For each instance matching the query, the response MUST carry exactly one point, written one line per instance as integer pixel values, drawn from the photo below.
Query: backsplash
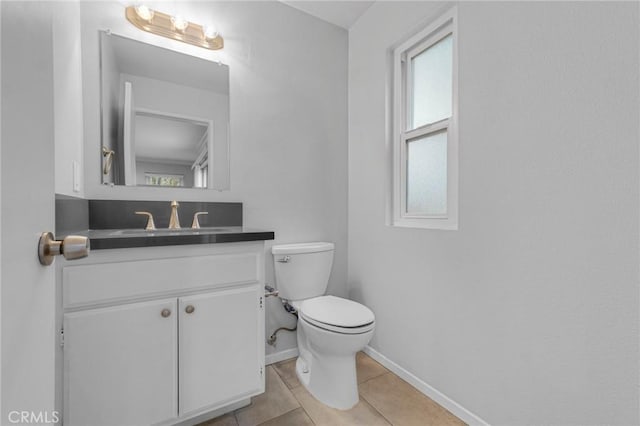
(72, 214)
(120, 214)
(75, 214)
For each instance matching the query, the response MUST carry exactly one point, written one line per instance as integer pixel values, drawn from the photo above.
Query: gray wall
(288, 98)
(67, 90)
(529, 313)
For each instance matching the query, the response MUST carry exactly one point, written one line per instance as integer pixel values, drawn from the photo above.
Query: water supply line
(270, 291)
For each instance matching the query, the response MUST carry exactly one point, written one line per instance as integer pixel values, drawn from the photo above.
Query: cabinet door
(221, 347)
(120, 364)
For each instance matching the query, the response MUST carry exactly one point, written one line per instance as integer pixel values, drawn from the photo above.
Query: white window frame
(439, 29)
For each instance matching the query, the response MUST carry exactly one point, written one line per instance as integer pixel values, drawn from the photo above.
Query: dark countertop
(102, 239)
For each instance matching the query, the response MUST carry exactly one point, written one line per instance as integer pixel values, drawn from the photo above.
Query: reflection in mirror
(170, 151)
(165, 117)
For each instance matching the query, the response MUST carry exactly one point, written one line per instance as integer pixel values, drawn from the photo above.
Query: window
(163, 179)
(425, 143)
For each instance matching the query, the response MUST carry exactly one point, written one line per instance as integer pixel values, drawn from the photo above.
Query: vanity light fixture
(210, 32)
(144, 12)
(179, 23)
(174, 27)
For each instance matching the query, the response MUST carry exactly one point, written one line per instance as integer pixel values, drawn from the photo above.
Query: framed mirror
(164, 117)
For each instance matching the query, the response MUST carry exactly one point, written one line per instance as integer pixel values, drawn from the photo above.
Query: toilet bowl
(326, 364)
(331, 330)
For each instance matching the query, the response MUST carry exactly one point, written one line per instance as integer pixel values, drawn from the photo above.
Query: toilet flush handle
(285, 259)
(270, 291)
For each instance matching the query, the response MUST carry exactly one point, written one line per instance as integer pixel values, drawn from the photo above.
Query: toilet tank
(302, 270)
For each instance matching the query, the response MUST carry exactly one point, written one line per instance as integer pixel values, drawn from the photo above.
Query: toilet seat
(337, 314)
(337, 329)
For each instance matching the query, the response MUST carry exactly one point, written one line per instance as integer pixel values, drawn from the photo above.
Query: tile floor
(385, 399)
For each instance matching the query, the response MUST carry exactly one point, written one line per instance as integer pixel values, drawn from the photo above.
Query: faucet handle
(196, 223)
(151, 226)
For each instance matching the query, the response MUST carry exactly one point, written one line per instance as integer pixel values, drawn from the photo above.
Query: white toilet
(331, 330)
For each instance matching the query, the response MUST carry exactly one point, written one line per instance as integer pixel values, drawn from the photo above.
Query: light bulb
(144, 12)
(179, 23)
(210, 32)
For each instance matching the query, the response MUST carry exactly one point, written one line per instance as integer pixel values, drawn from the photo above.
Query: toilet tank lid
(299, 248)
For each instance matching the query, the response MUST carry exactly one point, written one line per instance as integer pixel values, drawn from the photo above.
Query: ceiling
(341, 13)
(167, 139)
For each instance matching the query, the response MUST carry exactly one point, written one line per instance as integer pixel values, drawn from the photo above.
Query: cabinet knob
(189, 309)
(165, 312)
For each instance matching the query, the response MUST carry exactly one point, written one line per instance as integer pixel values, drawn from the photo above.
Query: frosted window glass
(427, 175)
(432, 84)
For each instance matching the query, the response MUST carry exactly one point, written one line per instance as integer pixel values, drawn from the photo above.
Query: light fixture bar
(162, 24)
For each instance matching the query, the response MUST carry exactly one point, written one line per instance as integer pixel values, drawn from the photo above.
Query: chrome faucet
(174, 221)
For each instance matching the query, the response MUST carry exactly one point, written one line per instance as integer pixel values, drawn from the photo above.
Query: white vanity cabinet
(161, 335)
(121, 364)
(219, 348)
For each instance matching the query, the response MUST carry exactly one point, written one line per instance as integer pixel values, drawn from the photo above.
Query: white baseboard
(280, 356)
(448, 403)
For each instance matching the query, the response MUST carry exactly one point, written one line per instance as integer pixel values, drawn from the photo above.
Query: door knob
(72, 247)
(165, 313)
(189, 309)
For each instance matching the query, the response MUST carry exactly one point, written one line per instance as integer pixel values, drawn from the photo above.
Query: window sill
(426, 223)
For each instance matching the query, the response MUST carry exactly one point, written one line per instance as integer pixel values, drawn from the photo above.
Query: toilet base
(326, 366)
(342, 395)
